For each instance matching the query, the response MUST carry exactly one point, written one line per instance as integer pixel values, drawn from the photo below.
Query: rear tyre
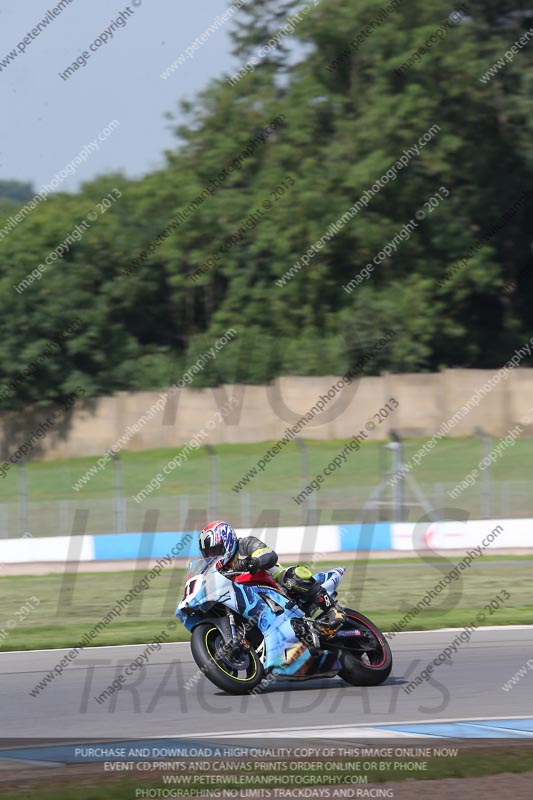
(370, 666)
(236, 672)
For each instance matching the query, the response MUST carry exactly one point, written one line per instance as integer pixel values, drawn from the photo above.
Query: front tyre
(237, 672)
(368, 660)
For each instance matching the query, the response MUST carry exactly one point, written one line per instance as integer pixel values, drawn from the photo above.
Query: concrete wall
(264, 412)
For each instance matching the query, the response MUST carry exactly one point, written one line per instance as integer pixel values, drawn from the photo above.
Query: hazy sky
(46, 120)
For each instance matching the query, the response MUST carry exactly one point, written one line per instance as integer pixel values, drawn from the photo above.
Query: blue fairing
(190, 619)
(285, 655)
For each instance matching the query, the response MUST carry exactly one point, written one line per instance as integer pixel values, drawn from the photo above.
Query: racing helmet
(218, 539)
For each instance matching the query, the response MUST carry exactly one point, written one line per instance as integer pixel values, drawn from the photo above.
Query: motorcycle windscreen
(330, 579)
(200, 566)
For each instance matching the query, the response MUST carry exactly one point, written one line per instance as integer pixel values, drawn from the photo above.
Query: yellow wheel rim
(235, 678)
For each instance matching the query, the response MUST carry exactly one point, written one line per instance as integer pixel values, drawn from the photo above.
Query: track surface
(155, 701)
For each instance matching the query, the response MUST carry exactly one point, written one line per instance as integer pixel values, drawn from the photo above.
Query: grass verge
(72, 604)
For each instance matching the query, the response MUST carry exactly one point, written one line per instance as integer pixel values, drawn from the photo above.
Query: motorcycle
(245, 628)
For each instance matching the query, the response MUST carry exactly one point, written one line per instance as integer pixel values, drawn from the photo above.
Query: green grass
(436, 559)
(71, 604)
(448, 462)
(472, 761)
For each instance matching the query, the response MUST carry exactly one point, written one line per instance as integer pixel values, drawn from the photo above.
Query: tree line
(166, 263)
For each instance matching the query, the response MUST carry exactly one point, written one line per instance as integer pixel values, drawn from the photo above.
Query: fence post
(213, 480)
(23, 498)
(118, 494)
(63, 517)
(396, 446)
(486, 491)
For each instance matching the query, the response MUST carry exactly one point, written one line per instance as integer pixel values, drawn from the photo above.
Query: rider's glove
(253, 565)
(247, 565)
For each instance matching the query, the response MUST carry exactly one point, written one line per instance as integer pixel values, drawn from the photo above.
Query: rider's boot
(326, 613)
(317, 603)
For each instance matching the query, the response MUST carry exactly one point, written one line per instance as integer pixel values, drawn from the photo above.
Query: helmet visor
(210, 551)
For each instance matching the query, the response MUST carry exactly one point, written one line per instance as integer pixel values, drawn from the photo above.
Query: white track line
(332, 728)
(88, 649)
(361, 728)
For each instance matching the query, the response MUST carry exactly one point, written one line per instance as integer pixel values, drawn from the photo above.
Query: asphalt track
(156, 702)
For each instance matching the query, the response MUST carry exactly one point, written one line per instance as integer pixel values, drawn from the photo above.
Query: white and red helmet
(218, 540)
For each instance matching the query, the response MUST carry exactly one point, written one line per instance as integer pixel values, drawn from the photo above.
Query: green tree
(457, 291)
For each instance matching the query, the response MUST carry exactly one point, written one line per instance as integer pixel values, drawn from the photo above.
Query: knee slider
(300, 580)
(303, 572)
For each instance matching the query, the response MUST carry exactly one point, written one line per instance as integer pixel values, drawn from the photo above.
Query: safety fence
(308, 482)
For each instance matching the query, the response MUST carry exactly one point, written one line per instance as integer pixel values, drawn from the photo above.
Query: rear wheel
(367, 660)
(236, 671)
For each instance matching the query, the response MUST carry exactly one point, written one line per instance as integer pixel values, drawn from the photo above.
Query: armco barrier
(307, 541)
(53, 548)
(365, 537)
(115, 546)
(295, 541)
(489, 533)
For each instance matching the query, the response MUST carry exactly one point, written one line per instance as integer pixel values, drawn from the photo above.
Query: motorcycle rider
(250, 554)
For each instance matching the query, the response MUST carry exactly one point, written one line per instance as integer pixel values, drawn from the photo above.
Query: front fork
(237, 642)
(234, 641)
(232, 626)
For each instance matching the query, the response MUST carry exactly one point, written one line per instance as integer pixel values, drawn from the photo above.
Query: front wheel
(367, 660)
(234, 671)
